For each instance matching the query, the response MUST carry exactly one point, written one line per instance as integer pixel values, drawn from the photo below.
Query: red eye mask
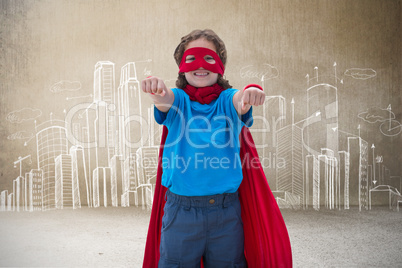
(199, 54)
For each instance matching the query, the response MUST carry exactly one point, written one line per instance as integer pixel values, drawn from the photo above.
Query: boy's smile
(201, 78)
(200, 73)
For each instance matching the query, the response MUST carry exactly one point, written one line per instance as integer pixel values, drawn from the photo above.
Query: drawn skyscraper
(290, 149)
(321, 140)
(10, 202)
(321, 132)
(131, 129)
(328, 179)
(102, 187)
(80, 179)
(26, 192)
(147, 164)
(101, 126)
(358, 181)
(105, 122)
(344, 179)
(18, 191)
(264, 133)
(51, 142)
(3, 200)
(104, 81)
(91, 147)
(64, 181)
(35, 193)
(117, 169)
(130, 180)
(130, 112)
(100, 130)
(312, 182)
(80, 125)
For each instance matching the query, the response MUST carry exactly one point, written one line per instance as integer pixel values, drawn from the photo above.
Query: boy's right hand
(162, 96)
(154, 86)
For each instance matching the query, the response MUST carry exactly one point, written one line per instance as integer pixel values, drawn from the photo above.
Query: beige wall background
(44, 42)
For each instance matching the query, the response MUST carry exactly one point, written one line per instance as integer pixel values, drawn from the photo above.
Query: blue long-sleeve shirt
(202, 150)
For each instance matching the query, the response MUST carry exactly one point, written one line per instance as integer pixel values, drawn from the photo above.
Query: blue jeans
(207, 227)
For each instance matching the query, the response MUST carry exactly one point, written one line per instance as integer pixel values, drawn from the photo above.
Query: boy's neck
(213, 85)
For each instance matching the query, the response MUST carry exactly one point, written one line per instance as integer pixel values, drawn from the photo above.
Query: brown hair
(209, 35)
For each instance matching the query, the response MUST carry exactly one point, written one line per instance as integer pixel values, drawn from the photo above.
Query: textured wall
(49, 50)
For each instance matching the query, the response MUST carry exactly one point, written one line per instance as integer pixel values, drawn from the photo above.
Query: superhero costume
(267, 241)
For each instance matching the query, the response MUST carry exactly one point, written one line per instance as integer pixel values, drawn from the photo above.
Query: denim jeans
(202, 227)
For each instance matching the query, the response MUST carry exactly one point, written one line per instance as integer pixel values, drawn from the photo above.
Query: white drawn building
(80, 181)
(102, 189)
(35, 192)
(358, 166)
(290, 177)
(64, 182)
(267, 122)
(3, 200)
(51, 142)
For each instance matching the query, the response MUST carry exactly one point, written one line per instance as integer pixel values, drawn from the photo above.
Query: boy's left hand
(252, 96)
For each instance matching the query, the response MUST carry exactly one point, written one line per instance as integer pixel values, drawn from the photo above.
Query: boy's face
(201, 77)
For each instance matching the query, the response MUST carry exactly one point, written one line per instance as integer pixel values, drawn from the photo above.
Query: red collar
(204, 95)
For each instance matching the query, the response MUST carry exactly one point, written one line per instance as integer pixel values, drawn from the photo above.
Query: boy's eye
(190, 58)
(209, 59)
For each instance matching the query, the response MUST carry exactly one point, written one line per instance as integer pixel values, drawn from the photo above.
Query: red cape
(266, 242)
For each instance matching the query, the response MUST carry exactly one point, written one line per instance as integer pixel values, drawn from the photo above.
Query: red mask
(199, 54)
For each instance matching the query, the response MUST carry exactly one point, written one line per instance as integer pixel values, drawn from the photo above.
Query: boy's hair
(209, 35)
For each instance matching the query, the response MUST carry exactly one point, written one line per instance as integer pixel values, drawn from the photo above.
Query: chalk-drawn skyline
(105, 152)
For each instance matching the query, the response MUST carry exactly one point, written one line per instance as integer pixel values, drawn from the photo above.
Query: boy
(201, 163)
